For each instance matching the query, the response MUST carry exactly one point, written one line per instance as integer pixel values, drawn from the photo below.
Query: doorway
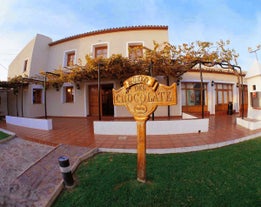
(106, 100)
(224, 95)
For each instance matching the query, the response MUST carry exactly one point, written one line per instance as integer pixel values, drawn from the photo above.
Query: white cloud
(19, 26)
(188, 21)
(5, 8)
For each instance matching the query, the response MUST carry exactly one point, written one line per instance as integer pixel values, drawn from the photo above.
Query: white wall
(31, 109)
(17, 65)
(40, 55)
(253, 113)
(57, 107)
(43, 124)
(116, 44)
(152, 127)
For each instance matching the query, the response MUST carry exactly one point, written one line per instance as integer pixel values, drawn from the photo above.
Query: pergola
(14, 86)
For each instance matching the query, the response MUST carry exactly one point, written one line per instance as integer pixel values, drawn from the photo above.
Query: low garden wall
(153, 127)
(251, 124)
(44, 124)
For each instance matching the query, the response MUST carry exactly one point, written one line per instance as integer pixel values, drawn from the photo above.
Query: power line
(2, 53)
(3, 67)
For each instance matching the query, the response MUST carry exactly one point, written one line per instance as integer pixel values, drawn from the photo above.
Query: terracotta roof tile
(115, 29)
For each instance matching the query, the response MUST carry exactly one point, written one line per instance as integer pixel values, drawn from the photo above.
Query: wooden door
(93, 100)
(106, 102)
(224, 95)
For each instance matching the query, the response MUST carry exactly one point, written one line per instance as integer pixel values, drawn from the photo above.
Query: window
(255, 99)
(69, 59)
(69, 94)
(25, 65)
(135, 51)
(101, 51)
(224, 93)
(37, 95)
(191, 94)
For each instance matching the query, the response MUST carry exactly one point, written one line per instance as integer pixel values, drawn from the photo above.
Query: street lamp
(99, 90)
(250, 50)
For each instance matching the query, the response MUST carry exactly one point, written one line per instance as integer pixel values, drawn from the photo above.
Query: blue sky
(189, 20)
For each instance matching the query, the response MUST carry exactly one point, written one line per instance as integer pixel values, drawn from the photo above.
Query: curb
(12, 135)
(185, 149)
(60, 186)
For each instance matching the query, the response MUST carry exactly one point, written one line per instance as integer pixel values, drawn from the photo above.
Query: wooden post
(202, 91)
(99, 92)
(141, 149)
(45, 107)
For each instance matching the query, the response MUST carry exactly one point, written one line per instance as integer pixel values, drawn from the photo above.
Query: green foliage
(229, 176)
(3, 135)
(164, 58)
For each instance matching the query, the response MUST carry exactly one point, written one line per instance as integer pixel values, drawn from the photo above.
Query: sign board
(141, 95)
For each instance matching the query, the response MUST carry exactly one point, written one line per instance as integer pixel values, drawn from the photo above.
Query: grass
(228, 176)
(3, 135)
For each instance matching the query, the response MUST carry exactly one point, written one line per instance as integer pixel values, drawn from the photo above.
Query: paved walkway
(29, 173)
(29, 169)
(15, 159)
(79, 132)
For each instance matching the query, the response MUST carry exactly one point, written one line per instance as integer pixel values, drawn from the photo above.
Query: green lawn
(229, 176)
(3, 135)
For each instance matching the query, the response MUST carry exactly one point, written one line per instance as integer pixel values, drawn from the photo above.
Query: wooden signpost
(142, 95)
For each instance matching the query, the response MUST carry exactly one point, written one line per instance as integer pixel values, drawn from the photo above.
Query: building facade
(254, 96)
(42, 54)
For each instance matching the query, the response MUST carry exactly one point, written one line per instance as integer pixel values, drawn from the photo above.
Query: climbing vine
(163, 59)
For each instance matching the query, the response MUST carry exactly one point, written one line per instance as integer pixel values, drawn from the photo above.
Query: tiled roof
(116, 29)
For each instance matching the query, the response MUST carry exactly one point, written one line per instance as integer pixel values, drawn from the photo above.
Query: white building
(80, 99)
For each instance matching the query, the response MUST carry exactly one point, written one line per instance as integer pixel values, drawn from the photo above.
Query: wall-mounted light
(237, 85)
(212, 83)
(254, 87)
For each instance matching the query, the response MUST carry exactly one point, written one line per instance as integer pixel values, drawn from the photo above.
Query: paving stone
(34, 179)
(17, 155)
